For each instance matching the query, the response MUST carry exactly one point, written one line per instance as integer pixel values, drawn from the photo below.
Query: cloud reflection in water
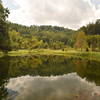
(66, 87)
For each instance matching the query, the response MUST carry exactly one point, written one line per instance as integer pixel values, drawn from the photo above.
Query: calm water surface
(49, 78)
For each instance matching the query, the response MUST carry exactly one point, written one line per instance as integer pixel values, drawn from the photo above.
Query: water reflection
(40, 65)
(88, 69)
(3, 77)
(55, 66)
(66, 87)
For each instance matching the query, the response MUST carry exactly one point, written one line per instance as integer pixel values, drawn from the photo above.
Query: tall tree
(97, 27)
(81, 40)
(4, 37)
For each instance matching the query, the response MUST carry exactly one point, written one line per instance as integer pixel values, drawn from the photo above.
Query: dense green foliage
(4, 37)
(54, 37)
(92, 28)
(23, 37)
(92, 40)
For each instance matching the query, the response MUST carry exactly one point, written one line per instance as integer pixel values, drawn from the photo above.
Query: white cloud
(67, 13)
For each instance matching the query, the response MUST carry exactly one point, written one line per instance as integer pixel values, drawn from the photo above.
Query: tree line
(89, 36)
(53, 37)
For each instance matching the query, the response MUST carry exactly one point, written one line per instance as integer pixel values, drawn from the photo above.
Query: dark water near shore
(49, 78)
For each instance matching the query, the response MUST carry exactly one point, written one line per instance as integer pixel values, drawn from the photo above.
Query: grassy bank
(73, 53)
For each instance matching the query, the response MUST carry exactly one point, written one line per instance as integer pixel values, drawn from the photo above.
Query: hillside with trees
(53, 37)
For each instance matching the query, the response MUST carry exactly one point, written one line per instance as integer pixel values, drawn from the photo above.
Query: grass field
(71, 53)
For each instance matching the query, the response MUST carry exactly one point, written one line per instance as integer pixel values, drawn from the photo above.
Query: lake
(49, 78)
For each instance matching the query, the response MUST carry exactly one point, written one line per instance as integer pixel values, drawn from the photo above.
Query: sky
(67, 13)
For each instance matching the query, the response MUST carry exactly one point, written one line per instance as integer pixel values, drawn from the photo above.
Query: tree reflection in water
(3, 77)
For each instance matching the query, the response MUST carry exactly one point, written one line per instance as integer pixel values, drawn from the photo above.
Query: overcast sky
(67, 13)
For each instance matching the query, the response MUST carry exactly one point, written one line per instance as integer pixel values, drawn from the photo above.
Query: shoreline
(70, 53)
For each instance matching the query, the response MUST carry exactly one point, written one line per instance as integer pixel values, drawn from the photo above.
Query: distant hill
(26, 29)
